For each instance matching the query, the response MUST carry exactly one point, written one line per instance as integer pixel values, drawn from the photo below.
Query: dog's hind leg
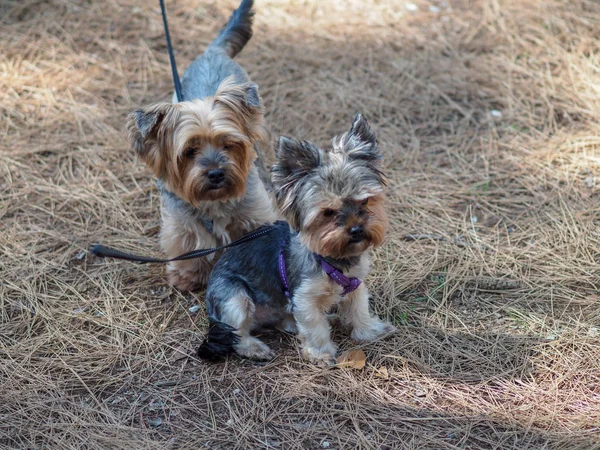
(238, 312)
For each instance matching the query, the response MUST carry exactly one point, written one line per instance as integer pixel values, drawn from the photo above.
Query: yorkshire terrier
(291, 277)
(202, 150)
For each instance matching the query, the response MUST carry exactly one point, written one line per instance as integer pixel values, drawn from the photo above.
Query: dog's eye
(227, 146)
(189, 152)
(329, 212)
(364, 202)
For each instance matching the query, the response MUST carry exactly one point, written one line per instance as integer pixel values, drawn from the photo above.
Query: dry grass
(499, 322)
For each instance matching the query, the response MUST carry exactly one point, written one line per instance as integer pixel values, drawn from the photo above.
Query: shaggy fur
(334, 205)
(202, 152)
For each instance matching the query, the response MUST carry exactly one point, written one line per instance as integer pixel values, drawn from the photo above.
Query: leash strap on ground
(108, 252)
(176, 80)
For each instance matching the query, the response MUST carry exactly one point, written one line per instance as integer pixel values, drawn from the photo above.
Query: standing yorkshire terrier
(202, 151)
(333, 201)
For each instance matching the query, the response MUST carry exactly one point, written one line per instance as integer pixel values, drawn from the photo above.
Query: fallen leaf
(352, 359)
(382, 372)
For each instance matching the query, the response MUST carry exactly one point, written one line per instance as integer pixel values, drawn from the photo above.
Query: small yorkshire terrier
(291, 278)
(202, 151)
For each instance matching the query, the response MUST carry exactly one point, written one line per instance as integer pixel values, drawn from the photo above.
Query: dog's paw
(324, 355)
(186, 281)
(288, 324)
(335, 321)
(377, 329)
(254, 348)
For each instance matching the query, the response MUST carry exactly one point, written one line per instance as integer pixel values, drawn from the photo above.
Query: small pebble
(495, 113)
(325, 444)
(155, 422)
(412, 7)
(194, 309)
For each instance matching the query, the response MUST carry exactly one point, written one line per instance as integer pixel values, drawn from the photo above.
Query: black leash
(176, 79)
(108, 252)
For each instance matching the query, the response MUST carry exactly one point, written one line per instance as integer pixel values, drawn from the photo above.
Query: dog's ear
(295, 159)
(150, 133)
(243, 105)
(252, 96)
(360, 142)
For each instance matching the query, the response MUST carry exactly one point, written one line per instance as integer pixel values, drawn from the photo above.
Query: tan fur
(324, 236)
(239, 313)
(178, 236)
(313, 300)
(354, 313)
(173, 140)
(200, 124)
(181, 233)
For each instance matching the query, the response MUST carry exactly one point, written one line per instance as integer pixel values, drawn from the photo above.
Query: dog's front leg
(314, 331)
(179, 236)
(354, 312)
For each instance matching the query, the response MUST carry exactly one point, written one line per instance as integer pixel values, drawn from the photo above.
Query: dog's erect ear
(144, 131)
(360, 142)
(295, 158)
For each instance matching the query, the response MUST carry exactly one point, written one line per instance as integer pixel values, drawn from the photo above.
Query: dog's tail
(238, 30)
(219, 341)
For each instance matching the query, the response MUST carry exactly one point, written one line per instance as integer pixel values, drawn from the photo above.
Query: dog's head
(201, 149)
(333, 198)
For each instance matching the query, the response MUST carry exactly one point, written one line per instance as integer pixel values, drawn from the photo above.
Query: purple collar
(349, 284)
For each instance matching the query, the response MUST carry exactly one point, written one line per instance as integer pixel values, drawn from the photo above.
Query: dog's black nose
(356, 232)
(216, 176)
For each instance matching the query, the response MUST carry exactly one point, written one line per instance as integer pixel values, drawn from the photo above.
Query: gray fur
(252, 268)
(205, 74)
(303, 170)
(238, 30)
(360, 142)
(145, 122)
(245, 290)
